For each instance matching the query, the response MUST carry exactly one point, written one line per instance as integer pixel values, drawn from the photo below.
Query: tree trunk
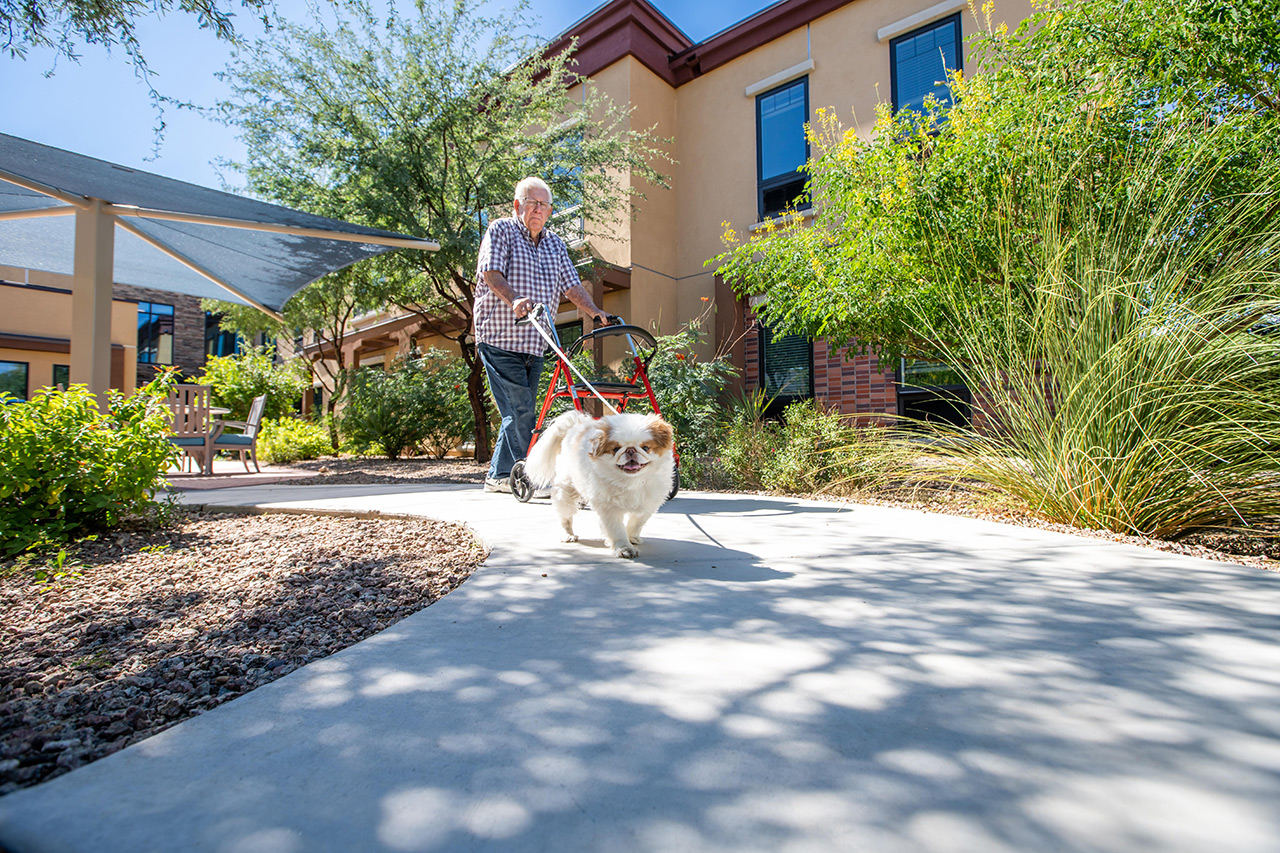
(479, 405)
(331, 407)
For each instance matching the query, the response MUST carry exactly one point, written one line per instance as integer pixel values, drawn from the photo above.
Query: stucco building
(150, 330)
(735, 106)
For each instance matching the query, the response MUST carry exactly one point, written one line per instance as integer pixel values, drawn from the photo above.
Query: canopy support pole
(91, 299)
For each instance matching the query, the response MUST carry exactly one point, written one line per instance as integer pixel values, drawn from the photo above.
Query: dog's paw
(572, 537)
(636, 540)
(628, 551)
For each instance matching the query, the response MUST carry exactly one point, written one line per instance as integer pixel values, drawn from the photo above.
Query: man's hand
(522, 306)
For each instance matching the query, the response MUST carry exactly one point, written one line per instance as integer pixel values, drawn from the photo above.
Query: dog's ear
(599, 441)
(664, 435)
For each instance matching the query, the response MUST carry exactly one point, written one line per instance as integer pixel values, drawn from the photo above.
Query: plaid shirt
(542, 272)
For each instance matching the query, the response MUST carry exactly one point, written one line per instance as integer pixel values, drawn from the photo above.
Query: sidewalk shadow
(740, 504)
(662, 558)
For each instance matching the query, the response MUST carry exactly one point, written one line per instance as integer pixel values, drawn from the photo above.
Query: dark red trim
(741, 38)
(623, 28)
(635, 28)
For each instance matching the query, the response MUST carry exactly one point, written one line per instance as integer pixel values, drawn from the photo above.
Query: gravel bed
(156, 627)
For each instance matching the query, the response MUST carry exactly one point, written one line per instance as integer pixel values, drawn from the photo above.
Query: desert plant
(446, 407)
(688, 388)
(420, 402)
(68, 468)
(288, 439)
(1136, 388)
(237, 379)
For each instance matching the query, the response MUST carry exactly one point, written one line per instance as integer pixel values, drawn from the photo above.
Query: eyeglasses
(536, 204)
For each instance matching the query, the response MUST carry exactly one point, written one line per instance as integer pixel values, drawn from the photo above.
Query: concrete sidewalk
(770, 675)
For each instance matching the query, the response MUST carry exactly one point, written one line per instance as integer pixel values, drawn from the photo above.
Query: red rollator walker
(614, 395)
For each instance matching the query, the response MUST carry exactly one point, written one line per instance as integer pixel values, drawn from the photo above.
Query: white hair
(532, 183)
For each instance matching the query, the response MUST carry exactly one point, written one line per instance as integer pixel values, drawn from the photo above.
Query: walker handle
(539, 308)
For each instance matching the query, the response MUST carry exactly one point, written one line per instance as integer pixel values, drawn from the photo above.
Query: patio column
(91, 299)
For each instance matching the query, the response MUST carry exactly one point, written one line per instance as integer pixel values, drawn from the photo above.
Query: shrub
(806, 460)
(1137, 390)
(68, 469)
(289, 439)
(810, 450)
(688, 389)
(449, 419)
(237, 379)
(420, 402)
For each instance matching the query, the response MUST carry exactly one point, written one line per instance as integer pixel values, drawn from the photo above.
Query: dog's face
(630, 442)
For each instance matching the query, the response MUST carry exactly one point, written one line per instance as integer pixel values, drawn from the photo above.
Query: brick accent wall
(859, 386)
(188, 329)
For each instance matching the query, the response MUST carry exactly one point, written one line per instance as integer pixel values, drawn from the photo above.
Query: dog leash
(539, 312)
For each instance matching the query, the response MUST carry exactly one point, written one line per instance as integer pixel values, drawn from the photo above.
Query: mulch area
(151, 627)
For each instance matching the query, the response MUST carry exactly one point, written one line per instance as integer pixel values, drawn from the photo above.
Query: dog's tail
(541, 464)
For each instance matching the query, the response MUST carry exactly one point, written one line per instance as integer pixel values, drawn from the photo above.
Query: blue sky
(98, 107)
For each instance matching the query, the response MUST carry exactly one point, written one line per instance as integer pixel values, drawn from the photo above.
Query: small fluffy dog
(622, 465)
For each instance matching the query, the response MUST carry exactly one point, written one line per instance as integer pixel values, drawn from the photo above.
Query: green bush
(1138, 390)
(449, 419)
(688, 389)
(808, 451)
(805, 460)
(68, 469)
(420, 403)
(237, 379)
(289, 439)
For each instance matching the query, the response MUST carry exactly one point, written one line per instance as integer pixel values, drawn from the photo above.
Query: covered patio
(103, 223)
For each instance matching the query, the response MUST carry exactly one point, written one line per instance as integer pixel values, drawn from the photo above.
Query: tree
(325, 308)
(936, 204)
(424, 124)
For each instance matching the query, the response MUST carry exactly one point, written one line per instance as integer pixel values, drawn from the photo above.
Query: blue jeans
(513, 379)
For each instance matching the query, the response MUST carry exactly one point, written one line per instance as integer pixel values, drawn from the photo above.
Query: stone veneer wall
(188, 329)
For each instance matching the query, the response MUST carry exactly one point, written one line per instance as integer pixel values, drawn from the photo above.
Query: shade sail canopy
(170, 235)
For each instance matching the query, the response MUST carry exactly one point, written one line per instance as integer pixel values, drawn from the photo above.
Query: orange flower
(680, 356)
(706, 299)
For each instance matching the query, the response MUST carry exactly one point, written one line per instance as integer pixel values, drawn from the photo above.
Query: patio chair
(244, 442)
(194, 429)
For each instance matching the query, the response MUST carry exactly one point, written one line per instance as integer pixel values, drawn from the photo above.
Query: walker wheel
(521, 485)
(675, 482)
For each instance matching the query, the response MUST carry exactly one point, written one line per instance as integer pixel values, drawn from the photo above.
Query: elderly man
(521, 264)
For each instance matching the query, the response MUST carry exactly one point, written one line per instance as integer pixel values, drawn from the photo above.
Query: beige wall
(713, 122)
(47, 314)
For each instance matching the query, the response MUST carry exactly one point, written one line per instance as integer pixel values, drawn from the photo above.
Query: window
(781, 147)
(62, 376)
(933, 392)
(923, 375)
(13, 378)
(216, 340)
(786, 369)
(569, 332)
(919, 62)
(155, 333)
